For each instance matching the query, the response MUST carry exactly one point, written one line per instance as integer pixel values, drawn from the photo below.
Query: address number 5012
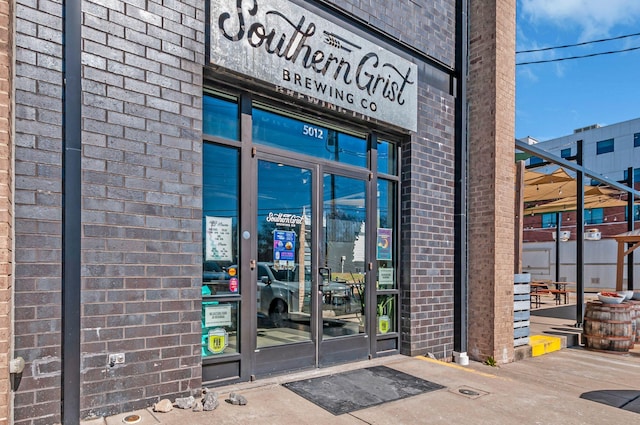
(311, 131)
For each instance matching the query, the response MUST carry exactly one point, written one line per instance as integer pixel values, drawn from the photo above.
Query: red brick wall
(614, 224)
(6, 207)
(491, 99)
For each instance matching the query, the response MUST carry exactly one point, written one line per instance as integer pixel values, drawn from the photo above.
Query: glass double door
(311, 265)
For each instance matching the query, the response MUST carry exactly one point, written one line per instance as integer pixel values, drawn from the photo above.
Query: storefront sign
(218, 239)
(284, 245)
(311, 58)
(233, 284)
(285, 219)
(385, 277)
(218, 340)
(384, 244)
(218, 315)
(384, 324)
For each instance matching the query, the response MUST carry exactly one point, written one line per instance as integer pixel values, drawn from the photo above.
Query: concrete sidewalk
(538, 390)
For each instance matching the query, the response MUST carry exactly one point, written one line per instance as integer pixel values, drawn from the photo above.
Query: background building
(610, 151)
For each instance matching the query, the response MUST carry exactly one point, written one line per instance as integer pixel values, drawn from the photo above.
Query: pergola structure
(579, 206)
(632, 240)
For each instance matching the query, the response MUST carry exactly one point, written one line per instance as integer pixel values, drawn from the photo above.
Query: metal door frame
(270, 360)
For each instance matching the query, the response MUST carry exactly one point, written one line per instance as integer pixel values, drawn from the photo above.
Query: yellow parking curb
(544, 344)
(457, 366)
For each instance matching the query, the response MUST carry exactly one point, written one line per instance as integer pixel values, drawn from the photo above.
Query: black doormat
(350, 391)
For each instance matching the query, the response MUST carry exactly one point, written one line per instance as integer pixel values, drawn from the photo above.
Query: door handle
(325, 276)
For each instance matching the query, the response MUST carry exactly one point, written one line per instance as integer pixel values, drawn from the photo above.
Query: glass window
(219, 327)
(636, 140)
(387, 158)
(308, 138)
(344, 238)
(220, 279)
(284, 254)
(565, 153)
(549, 220)
(220, 117)
(604, 146)
(636, 213)
(594, 216)
(535, 160)
(386, 239)
(385, 313)
(636, 175)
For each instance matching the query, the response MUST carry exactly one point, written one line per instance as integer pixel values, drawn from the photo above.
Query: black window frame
(535, 160)
(605, 146)
(549, 220)
(636, 175)
(589, 216)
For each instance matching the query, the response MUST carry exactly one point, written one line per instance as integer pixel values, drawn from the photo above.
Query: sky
(555, 98)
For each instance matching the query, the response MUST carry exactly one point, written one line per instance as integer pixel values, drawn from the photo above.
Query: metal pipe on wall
(71, 210)
(579, 237)
(630, 226)
(461, 173)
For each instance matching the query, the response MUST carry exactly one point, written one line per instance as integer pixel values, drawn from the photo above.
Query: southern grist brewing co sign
(306, 56)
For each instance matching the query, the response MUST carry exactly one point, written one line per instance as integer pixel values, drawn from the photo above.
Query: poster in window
(218, 239)
(217, 315)
(284, 245)
(384, 244)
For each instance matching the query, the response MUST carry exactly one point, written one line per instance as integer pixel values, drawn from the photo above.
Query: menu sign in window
(312, 58)
(218, 239)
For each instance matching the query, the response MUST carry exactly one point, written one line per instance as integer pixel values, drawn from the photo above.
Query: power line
(579, 57)
(544, 49)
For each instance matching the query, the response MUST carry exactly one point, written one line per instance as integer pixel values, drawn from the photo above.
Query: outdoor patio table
(560, 289)
(537, 290)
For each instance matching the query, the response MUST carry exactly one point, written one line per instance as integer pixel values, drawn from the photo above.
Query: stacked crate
(521, 309)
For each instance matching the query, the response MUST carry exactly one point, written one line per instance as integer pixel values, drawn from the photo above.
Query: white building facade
(609, 150)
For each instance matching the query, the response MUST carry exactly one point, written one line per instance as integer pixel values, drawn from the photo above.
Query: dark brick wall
(427, 192)
(141, 217)
(429, 26)
(141, 195)
(38, 154)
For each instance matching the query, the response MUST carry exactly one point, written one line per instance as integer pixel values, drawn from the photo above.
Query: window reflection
(343, 303)
(386, 239)
(387, 158)
(284, 254)
(220, 250)
(220, 117)
(219, 327)
(308, 138)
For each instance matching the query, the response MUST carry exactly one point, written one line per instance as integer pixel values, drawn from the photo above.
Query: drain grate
(468, 392)
(131, 419)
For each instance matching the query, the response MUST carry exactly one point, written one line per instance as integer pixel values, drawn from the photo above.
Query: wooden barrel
(635, 319)
(608, 327)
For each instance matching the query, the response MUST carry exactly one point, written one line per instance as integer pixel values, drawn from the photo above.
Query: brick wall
(142, 82)
(491, 99)
(427, 192)
(6, 206)
(141, 217)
